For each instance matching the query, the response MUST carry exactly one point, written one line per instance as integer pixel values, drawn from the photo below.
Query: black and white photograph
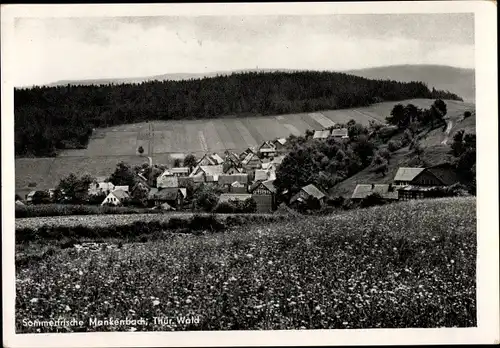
(258, 172)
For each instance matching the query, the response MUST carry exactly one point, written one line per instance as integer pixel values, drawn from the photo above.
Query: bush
(371, 200)
(224, 208)
(393, 145)
(205, 222)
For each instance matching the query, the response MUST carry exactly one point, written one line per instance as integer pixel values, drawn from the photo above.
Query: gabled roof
(321, 134)
(407, 173)
(313, 191)
(267, 146)
(217, 158)
(251, 156)
(208, 170)
(226, 197)
(268, 184)
(228, 179)
(364, 190)
(120, 194)
(207, 157)
(445, 173)
(340, 132)
(282, 141)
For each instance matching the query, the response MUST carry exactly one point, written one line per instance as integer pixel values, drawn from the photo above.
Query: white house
(115, 198)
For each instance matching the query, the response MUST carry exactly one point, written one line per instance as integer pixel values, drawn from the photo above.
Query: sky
(53, 49)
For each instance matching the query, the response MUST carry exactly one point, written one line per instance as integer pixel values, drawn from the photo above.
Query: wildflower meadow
(405, 265)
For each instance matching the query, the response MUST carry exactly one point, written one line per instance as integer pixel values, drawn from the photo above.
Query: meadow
(405, 265)
(166, 140)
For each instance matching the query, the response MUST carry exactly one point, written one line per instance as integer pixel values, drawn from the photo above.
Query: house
(19, 203)
(269, 166)
(279, 144)
(251, 161)
(228, 197)
(308, 193)
(171, 195)
(264, 194)
(216, 158)
(440, 175)
(38, 197)
(227, 181)
(232, 164)
(140, 186)
(167, 179)
(341, 133)
(123, 188)
(208, 173)
(245, 153)
(117, 197)
(267, 149)
(100, 186)
(179, 171)
(409, 192)
(264, 175)
(210, 160)
(238, 187)
(321, 134)
(405, 175)
(386, 191)
(231, 156)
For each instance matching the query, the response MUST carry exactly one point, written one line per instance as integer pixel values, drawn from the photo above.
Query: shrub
(224, 208)
(393, 145)
(205, 222)
(371, 200)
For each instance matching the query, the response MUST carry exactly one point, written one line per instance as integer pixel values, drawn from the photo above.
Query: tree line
(48, 119)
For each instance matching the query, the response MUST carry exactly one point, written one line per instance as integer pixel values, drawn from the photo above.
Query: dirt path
(447, 132)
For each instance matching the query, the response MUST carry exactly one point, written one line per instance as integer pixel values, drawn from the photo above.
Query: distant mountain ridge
(456, 80)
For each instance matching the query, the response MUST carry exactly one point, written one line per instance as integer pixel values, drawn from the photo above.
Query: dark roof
(364, 190)
(269, 184)
(167, 194)
(445, 173)
(228, 179)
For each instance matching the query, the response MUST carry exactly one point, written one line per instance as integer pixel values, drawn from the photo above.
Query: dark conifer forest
(51, 118)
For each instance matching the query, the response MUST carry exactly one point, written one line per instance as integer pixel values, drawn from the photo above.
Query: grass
(405, 265)
(43, 210)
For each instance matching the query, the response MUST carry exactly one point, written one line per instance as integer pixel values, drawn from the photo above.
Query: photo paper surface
(249, 174)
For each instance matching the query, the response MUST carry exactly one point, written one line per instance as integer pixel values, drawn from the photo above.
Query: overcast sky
(52, 49)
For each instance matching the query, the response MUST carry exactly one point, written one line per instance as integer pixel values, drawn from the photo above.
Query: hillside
(53, 118)
(436, 145)
(392, 266)
(456, 80)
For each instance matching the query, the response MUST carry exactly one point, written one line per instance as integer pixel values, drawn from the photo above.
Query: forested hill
(50, 118)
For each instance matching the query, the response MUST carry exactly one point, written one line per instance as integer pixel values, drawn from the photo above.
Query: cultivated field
(404, 265)
(164, 140)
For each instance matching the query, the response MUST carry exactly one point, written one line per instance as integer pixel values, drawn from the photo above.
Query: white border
(487, 183)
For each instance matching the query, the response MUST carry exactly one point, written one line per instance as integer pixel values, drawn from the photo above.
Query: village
(250, 175)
